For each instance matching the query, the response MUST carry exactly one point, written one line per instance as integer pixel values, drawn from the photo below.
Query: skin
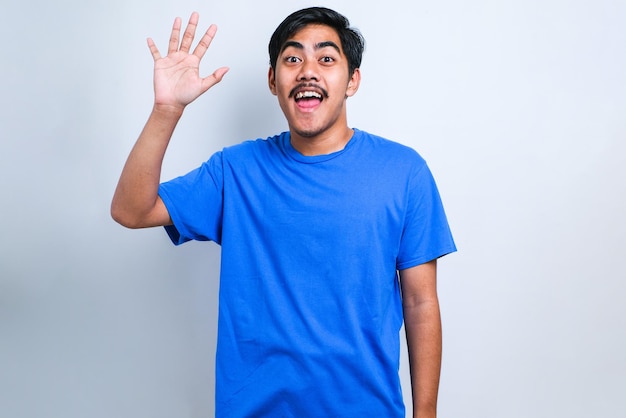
(422, 323)
(177, 83)
(313, 57)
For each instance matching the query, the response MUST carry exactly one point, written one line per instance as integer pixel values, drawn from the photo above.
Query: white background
(518, 106)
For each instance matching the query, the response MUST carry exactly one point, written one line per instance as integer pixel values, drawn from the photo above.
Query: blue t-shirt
(309, 305)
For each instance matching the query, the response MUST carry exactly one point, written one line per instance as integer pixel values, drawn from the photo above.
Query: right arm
(136, 203)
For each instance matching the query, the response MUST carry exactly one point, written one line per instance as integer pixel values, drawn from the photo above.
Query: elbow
(123, 217)
(126, 214)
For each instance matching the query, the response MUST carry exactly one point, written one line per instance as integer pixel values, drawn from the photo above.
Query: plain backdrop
(518, 106)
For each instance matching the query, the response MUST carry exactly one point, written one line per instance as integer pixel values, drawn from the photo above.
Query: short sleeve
(426, 235)
(194, 202)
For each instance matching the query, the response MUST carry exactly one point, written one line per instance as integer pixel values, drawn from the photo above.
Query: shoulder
(384, 149)
(252, 157)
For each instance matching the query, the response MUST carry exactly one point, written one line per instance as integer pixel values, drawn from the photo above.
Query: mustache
(307, 85)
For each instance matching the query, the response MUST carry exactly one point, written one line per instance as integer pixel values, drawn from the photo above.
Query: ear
(353, 83)
(271, 80)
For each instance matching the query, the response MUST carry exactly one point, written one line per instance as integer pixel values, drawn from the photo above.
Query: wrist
(167, 110)
(425, 412)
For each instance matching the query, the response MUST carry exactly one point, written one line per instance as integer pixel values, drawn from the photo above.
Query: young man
(329, 235)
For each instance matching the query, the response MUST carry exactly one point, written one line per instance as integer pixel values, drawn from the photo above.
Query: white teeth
(308, 94)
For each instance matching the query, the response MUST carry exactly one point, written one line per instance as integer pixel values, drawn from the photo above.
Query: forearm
(423, 332)
(422, 322)
(137, 191)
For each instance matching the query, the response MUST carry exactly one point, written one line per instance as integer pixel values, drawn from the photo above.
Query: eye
(327, 60)
(292, 59)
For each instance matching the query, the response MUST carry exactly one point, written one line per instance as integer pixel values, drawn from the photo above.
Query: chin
(306, 130)
(307, 133)
(312, 128)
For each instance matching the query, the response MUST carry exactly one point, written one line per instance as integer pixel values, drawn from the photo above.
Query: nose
(308, 71)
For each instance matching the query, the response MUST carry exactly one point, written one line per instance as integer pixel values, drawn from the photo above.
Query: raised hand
(177, 80)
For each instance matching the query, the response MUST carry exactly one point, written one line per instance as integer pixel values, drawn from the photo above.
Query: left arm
(422, 322)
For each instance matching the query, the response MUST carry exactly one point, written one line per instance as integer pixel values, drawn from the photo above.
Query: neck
(323, 143)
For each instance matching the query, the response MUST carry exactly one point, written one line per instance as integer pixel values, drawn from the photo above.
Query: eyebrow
(319, 45)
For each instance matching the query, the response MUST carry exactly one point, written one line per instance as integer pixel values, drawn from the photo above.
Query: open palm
(177, 80)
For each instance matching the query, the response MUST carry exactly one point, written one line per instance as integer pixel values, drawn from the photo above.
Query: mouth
(308, 95)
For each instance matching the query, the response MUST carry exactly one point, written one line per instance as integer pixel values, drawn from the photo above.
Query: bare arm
(177, 83)
(422, 323)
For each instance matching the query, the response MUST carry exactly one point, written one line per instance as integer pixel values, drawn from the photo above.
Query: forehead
(313, 35)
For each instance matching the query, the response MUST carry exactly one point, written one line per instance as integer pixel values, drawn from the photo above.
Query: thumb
(214, 78)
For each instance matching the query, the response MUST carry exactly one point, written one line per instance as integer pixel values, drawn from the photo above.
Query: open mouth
(308, 95)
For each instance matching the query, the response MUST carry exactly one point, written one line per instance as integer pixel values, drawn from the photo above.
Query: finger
(153, 49)
(214, 78)
(205, 42)
(174, 37)
(190, 32)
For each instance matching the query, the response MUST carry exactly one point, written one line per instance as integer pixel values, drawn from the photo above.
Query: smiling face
(312, 82)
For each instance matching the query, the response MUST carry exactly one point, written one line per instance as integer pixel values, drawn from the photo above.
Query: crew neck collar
(313, 159)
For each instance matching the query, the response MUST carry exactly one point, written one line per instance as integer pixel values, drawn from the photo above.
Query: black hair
(352, 42)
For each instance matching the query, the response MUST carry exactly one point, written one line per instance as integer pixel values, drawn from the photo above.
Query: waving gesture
(177, 83)
(177, 80)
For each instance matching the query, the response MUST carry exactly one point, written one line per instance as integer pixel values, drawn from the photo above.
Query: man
(329, 235)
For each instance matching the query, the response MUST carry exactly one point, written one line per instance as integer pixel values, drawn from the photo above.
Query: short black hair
(352, 42)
